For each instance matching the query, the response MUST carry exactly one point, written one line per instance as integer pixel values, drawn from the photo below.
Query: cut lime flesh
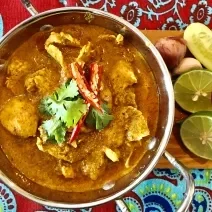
(196, 134)
(193, 91)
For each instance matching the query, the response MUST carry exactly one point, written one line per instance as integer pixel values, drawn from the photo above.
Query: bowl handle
(189, 193)
(27, 4)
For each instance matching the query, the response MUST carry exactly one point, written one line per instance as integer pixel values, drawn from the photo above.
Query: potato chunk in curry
(19, 116)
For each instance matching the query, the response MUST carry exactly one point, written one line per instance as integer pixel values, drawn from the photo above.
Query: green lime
(193, 91)
(203, 113)
(196, 134)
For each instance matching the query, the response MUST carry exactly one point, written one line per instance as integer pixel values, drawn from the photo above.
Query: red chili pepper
(80, 68)
(75, 132)
(78, 127)
(95, 74)
(84, 87)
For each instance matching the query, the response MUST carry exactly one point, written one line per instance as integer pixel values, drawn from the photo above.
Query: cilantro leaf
(65, 107)
(55, 108)
(55, 130)
(64, 104)
(54, 104)
(69, 112)
(75, 110)
(68, 90)
(44, 107)
(97, 119)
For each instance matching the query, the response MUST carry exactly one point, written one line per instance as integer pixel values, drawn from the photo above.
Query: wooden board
(175, 145)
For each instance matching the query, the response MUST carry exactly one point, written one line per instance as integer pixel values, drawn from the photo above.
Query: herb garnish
(65, 107)
(55, 130)
(97, 119)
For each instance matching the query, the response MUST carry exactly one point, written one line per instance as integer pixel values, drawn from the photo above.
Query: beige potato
(19, 117)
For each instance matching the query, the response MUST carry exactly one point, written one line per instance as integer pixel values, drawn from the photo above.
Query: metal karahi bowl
(156, 148)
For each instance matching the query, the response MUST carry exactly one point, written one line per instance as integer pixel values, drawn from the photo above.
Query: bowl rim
(170, 111)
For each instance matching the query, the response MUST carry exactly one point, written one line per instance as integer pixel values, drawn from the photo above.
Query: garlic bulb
(187, 64)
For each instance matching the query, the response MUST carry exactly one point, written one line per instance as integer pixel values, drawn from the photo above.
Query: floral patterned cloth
(148, 14)
(163, 190)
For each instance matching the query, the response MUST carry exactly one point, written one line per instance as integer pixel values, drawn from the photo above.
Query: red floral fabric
(149, 14)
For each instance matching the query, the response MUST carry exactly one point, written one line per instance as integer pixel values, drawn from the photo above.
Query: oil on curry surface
(77, 104)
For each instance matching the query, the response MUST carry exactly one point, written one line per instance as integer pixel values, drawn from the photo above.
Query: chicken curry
(78, 106)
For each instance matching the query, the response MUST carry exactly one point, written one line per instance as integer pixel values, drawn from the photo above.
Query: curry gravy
(41, 167)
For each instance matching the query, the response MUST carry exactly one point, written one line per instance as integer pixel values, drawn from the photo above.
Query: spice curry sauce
(42, 167)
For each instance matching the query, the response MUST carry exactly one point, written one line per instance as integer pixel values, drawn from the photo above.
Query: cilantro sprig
(65, 107)
(98, 120)
(55, 129)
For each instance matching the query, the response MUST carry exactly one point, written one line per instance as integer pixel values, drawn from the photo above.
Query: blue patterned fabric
(164, 191)
(7, 200)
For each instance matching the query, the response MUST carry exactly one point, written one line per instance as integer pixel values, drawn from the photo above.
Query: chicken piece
(107, 37)
(43, 137)
(114, 134)
(67, 152)
(105, 94)
(126, 98)
(54, 38)
(128, 125)
(70, 41)
(52, 49)
(85, 53)
(119, 39)
(122, 76)
(59, 152)
(136, 125)
(63, 39)
(16, 70)
(94, 165)
(67, 40)
(66, 169)
(15, 85)
(19, 117)
(41, 81)
(56, 54)
(17, 67)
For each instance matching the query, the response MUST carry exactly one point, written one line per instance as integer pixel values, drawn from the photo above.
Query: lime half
(193, 90)
(196, 134)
